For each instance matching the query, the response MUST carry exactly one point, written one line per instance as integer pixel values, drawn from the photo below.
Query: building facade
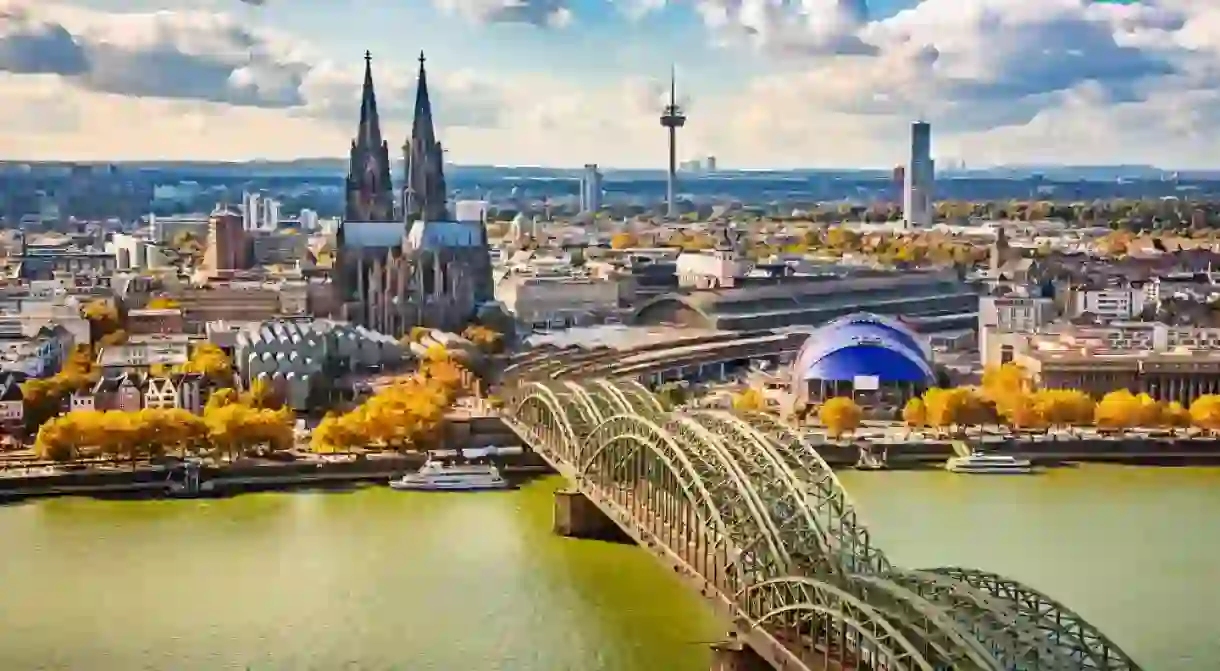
(423, 268)
(591, 189)
(919, 178)
(301, 358)
(228, 247)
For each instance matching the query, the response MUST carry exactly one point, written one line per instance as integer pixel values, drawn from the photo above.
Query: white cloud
(541, 13)
(1001, 80)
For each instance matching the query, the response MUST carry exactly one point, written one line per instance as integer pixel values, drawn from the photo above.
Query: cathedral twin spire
(370, 193)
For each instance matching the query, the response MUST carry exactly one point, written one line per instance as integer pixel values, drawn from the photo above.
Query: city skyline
(555, 83)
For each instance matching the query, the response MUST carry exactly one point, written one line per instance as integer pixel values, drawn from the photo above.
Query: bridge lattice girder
(745, 504)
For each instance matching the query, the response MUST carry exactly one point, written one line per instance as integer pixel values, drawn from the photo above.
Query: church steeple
(370, 193)
(421, 127)
(424, 193)
(369, 131)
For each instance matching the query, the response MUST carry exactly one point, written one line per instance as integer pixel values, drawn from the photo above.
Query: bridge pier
(575, 516)
(733, 655)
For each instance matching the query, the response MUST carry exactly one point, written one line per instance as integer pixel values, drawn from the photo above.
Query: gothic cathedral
(405, 264)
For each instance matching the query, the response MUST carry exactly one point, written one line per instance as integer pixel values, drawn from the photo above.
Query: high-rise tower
(672, 118)
(919, 178)
(423, 191)
(370, 194)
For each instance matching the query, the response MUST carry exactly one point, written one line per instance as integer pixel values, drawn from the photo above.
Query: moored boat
(442, 476)
(993, 464)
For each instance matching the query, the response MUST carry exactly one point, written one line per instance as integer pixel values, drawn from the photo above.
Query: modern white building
(130, 252)
(711, 269)
(1109, 303)
(249, 210)
(919, 179)
(259, 213)
(308, 219)
(1001, 317)
(590, 189)
(543, 301)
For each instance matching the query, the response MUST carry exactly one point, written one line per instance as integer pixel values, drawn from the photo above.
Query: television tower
(672, 118)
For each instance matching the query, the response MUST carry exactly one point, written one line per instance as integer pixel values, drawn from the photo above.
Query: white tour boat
(979, 462)
(442, 476)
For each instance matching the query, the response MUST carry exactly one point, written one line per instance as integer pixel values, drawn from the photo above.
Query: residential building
(228, 247)
(1118, 302)
(39, 356)
(154, 320)
(166, 230)
(175, 391)
(12, 402)
(309, 220)
(234, 300)
(1000, 318)
(82, 400)
(130, 251)
(278, 247)
(139, 354)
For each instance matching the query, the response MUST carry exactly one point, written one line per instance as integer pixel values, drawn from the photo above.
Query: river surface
(378, 580)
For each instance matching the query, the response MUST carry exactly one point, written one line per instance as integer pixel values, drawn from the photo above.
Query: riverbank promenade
(752, 517)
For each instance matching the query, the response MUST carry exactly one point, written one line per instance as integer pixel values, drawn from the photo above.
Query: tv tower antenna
(672, 118)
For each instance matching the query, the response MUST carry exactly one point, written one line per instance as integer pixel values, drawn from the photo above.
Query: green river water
(379, 580)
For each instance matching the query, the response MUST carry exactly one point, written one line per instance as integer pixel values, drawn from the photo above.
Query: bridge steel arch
(748, 509)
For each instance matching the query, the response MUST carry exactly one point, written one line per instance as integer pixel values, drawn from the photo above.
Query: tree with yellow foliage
(624, 240)
(1021, 412)
(163, 303)
(44, 398)
(220, 398)
(914, 414)
(103, 318)
(1176, 415)
(262, 395)
(118, 337)
(1150, 412)
(409, 414)
(1064, 407)
(235, 428)
(842, 239)
(486, 339)
(119, 435)
(1003, 382)
(950, 407)
(211, 362)
(1118, 410)
(1205, 412)
(750, 400)
(333, 434)
(840, 415)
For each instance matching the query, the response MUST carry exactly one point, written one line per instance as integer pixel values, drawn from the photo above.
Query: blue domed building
(862, 354)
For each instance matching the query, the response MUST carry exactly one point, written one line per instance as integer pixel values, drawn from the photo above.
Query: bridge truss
(742, 505)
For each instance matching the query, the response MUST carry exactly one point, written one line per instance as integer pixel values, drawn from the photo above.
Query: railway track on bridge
(749, 514)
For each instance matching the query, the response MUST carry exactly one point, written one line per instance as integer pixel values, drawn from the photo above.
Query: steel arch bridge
(750, 513)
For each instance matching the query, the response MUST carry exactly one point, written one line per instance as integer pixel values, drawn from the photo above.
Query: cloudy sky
(768, 83)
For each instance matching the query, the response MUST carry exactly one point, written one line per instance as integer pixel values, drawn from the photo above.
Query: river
(379, 580)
